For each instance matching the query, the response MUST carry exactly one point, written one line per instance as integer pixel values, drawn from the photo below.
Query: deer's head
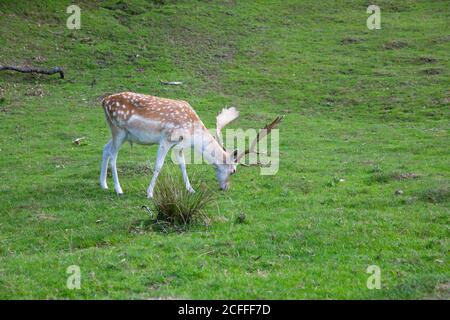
(233, 157)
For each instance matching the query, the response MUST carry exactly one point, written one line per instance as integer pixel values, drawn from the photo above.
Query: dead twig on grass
(34, 70)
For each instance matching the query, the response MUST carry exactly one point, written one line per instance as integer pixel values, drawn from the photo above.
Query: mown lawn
(364, 170)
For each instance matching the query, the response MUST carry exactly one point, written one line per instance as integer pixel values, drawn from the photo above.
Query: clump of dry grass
(174, 205)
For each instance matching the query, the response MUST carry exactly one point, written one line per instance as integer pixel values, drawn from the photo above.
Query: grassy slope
(356, 110)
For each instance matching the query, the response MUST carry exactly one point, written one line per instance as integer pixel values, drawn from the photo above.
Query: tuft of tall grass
(174, 205)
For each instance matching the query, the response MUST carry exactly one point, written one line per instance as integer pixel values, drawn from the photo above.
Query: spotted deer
(148, 120)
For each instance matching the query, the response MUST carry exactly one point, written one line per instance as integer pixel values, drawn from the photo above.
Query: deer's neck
(205, 144)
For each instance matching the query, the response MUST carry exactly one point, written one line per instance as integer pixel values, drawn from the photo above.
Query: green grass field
(364, 169)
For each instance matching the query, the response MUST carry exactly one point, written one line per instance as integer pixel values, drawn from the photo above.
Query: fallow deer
(147, 120)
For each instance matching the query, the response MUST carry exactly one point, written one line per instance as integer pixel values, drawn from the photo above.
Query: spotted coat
(127, 110)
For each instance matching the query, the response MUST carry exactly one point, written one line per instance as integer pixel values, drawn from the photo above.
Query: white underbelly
(144, 137)
(143, 131)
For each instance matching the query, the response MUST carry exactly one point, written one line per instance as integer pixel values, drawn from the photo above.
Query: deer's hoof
(103, 184)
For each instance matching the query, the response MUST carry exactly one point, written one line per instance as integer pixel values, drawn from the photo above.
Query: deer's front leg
(164, 147)
(182, 163)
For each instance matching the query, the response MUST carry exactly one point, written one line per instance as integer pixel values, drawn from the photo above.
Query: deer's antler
(261, 134)
(224, 118)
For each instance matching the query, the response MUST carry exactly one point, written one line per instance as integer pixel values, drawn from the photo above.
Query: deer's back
(144, 115)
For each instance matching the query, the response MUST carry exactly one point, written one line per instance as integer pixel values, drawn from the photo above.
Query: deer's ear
(235, 154)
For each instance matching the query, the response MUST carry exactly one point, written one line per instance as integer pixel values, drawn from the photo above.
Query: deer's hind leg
(119, 137)
(104, 167)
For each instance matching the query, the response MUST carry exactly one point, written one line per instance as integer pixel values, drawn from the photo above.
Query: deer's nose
(224, 187)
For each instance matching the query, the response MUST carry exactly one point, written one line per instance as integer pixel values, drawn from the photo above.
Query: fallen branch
(171, 83)
(34, 70)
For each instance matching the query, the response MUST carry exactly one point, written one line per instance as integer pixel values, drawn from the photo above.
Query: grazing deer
(145, 119)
